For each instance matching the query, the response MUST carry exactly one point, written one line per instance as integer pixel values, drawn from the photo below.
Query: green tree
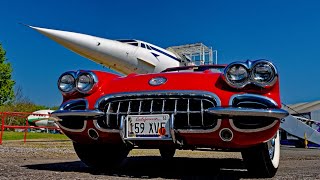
(6, 83)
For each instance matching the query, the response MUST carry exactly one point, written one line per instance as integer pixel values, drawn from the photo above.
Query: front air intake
(73, 123)
(252, 101)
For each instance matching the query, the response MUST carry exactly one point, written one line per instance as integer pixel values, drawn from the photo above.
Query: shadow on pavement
(155, 167)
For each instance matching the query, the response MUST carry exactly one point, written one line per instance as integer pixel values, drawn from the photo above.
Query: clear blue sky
(285, 32)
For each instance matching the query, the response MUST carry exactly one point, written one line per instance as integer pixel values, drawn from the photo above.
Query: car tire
(101, 156)
(263, 160)
(167, 153)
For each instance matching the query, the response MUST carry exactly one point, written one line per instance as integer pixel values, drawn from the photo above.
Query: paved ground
(57, 160)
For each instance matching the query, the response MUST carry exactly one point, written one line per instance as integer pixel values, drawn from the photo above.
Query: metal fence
(26, 127)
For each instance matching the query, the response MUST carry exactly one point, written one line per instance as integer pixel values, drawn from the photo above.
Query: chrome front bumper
(219, 111)
(248, 112)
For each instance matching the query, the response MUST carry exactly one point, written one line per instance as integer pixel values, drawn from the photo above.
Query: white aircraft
(124, 56)
(41, 118)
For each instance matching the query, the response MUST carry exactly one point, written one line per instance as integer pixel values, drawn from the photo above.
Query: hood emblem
(157, 81)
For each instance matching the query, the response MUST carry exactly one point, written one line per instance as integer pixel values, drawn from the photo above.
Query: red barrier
(4, 115)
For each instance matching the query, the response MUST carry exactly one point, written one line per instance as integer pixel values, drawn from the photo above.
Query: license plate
(156, 125)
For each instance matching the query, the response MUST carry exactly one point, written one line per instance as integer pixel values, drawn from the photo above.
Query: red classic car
(227, 107)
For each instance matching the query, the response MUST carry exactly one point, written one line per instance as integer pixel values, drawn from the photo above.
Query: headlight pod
(81, 81)
(66, 82)
(261, 73)
(237, 75)
(85, 82)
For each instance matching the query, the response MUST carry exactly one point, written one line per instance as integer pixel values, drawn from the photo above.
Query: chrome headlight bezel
(252, 78)
(229, 77)
(269, 81)
(71, 89)
(91, 79)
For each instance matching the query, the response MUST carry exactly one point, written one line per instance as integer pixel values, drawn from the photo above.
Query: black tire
(101, 156)
(167, 153)
(263, 160)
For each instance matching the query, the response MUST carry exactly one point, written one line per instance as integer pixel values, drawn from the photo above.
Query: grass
(9, 135)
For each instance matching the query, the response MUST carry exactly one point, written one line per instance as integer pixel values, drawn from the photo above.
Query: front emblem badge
(157, 81)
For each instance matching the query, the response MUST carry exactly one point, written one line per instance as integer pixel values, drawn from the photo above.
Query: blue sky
(285, 32)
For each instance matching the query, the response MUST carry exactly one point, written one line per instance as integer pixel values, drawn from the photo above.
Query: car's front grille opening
(189, 111)
(74, 123)
(257, 102)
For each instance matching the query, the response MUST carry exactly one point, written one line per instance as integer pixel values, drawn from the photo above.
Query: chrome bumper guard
(248, 112)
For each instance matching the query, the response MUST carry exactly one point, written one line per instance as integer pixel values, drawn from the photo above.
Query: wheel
(101, 156)
(167, 153)
(263, 160)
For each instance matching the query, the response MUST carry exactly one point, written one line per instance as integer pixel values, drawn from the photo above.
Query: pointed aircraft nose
(80, 43)
(109, 53)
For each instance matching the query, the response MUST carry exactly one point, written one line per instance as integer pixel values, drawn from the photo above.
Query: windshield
(212, 68)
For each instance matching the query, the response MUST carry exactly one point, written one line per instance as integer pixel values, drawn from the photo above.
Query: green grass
(9, 135)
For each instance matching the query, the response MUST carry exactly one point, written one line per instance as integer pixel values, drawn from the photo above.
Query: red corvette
(227, 107)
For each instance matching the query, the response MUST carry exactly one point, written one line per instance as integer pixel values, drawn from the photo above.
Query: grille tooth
(140, 104)
(175, 106)
(129, 106)
(202, 112)
(118, 113)
(188, 111)
(151, 107)
(163, 103)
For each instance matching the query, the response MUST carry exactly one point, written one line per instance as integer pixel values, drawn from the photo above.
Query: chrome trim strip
(250, 112)
(74, 130)
(78, 113)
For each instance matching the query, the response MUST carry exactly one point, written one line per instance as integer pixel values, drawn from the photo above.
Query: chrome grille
(188, 109)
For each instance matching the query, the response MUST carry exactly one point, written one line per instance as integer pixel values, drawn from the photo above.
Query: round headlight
(85, 82)
(66, 83)
(263, 73)
(237, 75)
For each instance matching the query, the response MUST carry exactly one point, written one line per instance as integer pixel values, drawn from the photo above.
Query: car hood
(174, 81)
